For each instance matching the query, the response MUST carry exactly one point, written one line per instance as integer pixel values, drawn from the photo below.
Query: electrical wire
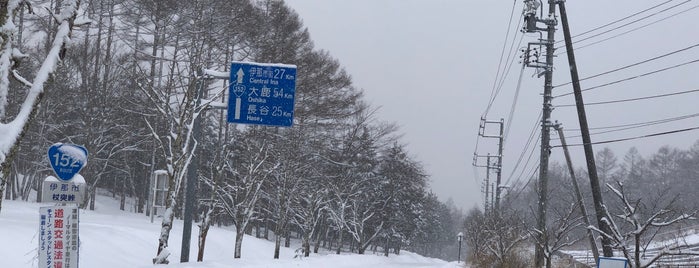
(526, 164)
(510, 117)
(641, 124)
(633, 77)
(632, 99)
(502, 55)
(618, 128)
(634, 29)
(632, 65)
(500, 77)
(532, 135)
(510, 61)
(536, 168)
(629, 23)
(634, 138)
(495, 91)
(619, 20)
(524, 187)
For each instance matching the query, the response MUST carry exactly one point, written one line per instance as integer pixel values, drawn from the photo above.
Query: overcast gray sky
(431, 66)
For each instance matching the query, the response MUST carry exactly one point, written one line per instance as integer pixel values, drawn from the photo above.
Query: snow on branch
(21, 79)
(12, 130)
(673, 221)
(629, 242)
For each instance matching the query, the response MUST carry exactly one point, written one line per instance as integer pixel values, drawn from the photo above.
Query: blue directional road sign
(67, 160)
(262, 94)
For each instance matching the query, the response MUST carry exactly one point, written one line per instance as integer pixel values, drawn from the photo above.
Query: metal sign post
(59, 240)
(259, 94)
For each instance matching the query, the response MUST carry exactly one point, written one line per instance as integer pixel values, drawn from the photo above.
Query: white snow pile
(110, 238)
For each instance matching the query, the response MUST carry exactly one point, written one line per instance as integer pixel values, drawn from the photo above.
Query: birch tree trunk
(239, 234)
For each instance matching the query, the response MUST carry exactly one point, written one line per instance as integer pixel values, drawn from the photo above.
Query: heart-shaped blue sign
(67, 159)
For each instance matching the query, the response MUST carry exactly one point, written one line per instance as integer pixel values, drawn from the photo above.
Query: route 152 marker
(67, 160)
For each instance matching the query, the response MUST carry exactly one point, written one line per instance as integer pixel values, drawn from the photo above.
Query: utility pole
(498, 186)
(492, 193)
(192, 176)
(587, 142)
(488, 202)
(485, 188)
(578, 195)
(530, 26)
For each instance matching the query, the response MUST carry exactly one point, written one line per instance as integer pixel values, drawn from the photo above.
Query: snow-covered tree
(177, 145)
(284, 181)
(606, 165)
(13, 127)
(403, 187)
(240, 190)
(308, 208)
(633, 171)
(438, 225)
(559, 237)
(181, 42)
(632, 233)
(355, 204)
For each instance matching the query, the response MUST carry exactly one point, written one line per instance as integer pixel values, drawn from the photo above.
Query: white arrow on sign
(240, 75)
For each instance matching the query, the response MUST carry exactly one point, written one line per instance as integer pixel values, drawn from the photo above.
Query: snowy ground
(115, 239)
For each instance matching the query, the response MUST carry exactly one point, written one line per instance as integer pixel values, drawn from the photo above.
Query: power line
(632, 99)
(495, 90)
(529, 158)
(508, 68)
(634, 64)
(635, 125)
(633, 77)
(637, 28)
(514, 104)
(641, 124)
(635, 138)
(502, 55)
(532, 135)
(531, 177)
(619, 20)
(629, 23)
(510, 61)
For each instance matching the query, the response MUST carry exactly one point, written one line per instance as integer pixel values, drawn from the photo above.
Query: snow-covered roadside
(115, 239)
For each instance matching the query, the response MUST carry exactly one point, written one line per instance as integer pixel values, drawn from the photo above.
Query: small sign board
(58, 191)
(262, 94)
(159, 185)
(58, 237)
(607, 262)
(67, 159)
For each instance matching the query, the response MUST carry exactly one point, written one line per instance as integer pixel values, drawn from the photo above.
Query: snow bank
(115, 239)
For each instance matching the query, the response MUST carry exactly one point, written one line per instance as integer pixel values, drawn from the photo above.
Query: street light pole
(460, 236)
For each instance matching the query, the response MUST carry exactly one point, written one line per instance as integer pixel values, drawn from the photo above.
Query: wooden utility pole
(587, 143)
(578, 194)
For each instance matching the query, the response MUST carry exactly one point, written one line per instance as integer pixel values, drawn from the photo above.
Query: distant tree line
(645, 196)
(128, 89)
